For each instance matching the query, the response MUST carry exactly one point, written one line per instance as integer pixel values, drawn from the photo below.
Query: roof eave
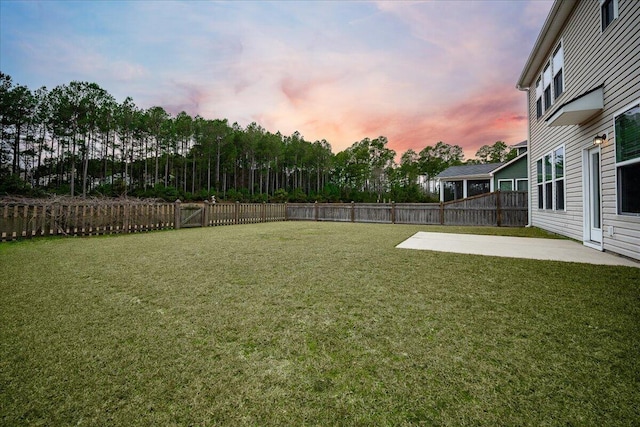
(467, 177)
(556, 19)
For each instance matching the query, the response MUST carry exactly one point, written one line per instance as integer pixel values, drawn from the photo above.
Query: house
(512, 175)
(582, 82)
(521, 147)
(459, 182)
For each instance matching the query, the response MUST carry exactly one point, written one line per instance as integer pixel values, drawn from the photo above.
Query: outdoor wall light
(598, 140)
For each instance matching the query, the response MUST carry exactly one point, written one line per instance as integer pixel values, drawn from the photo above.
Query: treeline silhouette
(77, 139)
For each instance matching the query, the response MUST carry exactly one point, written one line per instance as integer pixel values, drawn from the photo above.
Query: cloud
(416, 72)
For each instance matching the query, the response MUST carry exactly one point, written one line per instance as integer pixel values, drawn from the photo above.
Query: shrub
(280, 196)
(14, 185)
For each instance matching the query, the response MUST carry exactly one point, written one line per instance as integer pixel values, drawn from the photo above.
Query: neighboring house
(460, 182)
(520, 147)
(512, 176)
(583, 84)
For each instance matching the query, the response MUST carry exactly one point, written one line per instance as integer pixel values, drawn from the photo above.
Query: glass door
(594, 199)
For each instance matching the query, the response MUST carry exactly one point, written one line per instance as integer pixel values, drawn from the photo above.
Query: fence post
(264, 212)
(176, 214)
(286, 214)
(353, 211)
(315, 210)
(498, 210)
(441, 213)
(205, 213)
(236, 214)
(126, 224)
(393, 212)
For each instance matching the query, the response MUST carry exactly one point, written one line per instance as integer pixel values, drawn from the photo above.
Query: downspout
(529, 174)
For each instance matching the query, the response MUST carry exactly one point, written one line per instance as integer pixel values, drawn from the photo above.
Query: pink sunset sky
(417, 72)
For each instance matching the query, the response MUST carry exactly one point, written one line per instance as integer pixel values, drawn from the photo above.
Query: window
(505, 184)
(475, 187)
(550, 84)
(627, 140)
(453, 190)
(540, 185)
(558, 158)
(550, 180)
(608, 12)
(558, 64)
(522, 184)
(539, 97)
(546, 80)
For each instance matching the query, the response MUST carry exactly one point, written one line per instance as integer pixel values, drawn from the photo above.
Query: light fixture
(599, 139)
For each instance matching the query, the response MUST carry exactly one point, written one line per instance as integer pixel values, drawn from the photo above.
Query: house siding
(516, 170)
(591, 58)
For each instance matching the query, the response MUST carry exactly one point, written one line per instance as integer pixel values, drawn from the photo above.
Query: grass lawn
(305, 323)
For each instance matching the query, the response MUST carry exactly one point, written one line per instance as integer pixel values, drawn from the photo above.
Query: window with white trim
(550, 83)
(522, 184)
(558, 178)
(539, 97)
(546, 81)
(608, 12)
(505, 184)
(558, 65)
(550, 180)
(627, 142)
(540, 183)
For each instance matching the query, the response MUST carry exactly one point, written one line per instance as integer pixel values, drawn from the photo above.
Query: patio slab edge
(513, 247)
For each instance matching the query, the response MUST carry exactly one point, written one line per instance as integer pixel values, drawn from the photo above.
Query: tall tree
(435, 159)
(184, 134)
(107, 127)
(156, 117)
(6, 83)
(381, 158)
(496, 153)
(409, 167)
(19, 107)
(125, 119)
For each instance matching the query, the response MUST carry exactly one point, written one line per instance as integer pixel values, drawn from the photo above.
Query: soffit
(578, 110)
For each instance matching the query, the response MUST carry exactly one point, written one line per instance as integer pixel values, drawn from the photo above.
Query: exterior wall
(516, 170)
(591, 58)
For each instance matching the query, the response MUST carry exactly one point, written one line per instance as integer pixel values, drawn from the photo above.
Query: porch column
(441, 190)
(464, 188)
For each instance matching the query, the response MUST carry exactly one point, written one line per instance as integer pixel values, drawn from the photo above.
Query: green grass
(305, 323)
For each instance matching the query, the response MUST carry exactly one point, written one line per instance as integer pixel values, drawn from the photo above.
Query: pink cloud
(448, 81)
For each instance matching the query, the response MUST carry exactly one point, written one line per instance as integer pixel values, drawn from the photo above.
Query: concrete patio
(514, 247)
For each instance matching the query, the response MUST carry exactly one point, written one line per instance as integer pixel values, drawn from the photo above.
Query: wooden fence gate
(190, 215)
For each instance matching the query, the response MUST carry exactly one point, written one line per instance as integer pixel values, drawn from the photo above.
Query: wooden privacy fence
(500, 208)
(23, 220)
(212, 214)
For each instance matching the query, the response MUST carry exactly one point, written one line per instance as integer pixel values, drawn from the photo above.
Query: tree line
(77, 139)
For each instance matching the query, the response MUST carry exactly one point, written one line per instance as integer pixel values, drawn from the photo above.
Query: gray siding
(591, 58)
